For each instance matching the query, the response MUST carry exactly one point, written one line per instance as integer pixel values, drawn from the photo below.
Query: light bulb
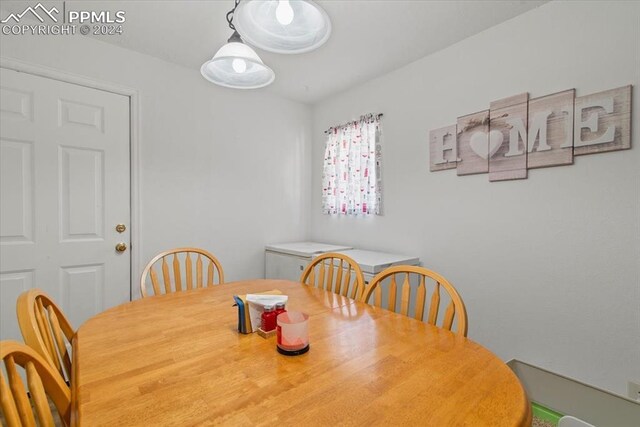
(239, 65)
(284, 12)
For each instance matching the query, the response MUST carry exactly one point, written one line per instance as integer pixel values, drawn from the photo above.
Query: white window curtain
(351, 180)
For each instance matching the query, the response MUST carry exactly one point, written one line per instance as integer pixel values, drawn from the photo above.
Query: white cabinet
(283, 266)
(288, 260)
(373, 262)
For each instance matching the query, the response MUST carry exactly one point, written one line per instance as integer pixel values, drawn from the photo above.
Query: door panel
(81, 194)
(16, 184)
(83, 289)
(12, 284)
(65, 185)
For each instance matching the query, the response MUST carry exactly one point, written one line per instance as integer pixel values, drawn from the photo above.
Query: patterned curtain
(351, 179)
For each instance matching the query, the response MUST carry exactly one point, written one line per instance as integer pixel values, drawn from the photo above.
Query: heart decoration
(485, 145)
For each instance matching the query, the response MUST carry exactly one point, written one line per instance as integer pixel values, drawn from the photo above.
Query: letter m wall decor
(508, 120)
(518, 133)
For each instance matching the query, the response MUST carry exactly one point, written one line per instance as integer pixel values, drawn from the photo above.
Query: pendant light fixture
(283, 26)
(236, 65)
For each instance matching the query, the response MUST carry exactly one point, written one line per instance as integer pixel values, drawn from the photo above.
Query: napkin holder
(251, 307)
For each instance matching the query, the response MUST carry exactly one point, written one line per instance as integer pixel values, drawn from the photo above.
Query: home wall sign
(517, 133)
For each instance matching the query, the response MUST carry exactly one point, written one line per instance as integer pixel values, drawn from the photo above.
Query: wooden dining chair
(20, 408)
(335, 272)
(173, 282)
(455, 308)
(46, 329)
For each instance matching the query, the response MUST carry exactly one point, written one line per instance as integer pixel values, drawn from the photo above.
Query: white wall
(221, 169)
(549, 267)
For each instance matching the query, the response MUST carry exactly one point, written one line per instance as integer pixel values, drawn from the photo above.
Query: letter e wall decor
(603, 122)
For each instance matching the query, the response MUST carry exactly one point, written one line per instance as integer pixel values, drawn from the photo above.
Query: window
(351, 179)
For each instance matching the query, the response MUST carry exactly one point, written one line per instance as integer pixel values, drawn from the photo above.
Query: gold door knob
(121, 247)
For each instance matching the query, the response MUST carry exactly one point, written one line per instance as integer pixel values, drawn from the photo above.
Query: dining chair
(173, 282)
(336, 273)
(46, 329)
(455, 308)
(20, 408)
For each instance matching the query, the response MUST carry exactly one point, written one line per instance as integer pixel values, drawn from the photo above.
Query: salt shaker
(268, 318)
(280, 308)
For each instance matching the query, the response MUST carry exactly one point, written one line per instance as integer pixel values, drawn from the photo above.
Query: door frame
(134, 146)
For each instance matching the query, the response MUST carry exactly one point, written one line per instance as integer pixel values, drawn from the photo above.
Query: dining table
(178, 359)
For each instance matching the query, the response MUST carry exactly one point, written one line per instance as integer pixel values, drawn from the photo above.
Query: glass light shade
(237, 66)
(282, 26)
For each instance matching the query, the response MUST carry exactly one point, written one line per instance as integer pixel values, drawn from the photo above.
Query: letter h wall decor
(517, 133)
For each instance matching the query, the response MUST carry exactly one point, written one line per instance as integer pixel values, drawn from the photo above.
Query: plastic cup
(293, 333)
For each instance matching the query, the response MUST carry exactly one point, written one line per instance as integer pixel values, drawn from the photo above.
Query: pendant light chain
(230, 15)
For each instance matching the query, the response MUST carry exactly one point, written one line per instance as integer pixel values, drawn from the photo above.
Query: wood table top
(178, 359)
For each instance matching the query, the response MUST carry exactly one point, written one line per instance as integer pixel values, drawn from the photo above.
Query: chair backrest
(172, 277)
(455, 308)
(46, 329)
(20, 408)
(336, 273)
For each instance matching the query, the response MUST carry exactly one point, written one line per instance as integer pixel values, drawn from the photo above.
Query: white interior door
(64, 186)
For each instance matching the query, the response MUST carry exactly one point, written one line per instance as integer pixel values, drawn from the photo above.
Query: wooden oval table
(178, 360)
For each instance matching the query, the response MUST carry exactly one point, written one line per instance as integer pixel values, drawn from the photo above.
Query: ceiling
(369, 38)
